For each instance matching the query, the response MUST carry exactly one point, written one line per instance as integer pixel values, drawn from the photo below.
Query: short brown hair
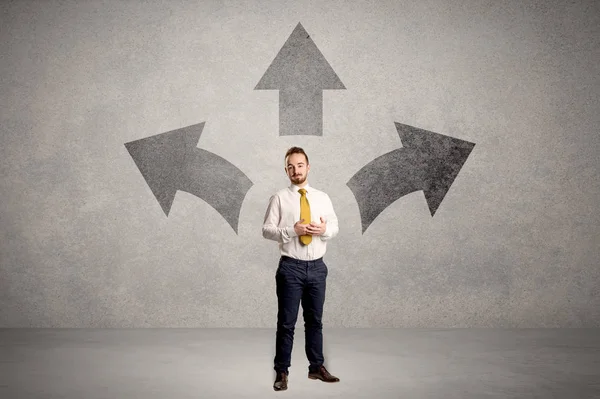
(295, 150)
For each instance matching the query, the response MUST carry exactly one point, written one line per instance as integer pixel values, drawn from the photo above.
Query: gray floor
(237, 363)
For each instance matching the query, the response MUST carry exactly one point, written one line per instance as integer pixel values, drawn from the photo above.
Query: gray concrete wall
(85, 243)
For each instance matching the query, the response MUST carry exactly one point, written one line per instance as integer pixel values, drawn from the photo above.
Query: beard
(298, 180)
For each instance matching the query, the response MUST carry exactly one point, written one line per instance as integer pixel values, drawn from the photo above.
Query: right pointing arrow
(428, 161)
(300, 73)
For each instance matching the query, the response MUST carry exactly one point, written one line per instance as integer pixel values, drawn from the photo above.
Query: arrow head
(442, 157)
(300, 65)
(162, 158)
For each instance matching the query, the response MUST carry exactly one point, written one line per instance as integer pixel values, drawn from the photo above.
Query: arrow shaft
(216, 181)
(385, 180)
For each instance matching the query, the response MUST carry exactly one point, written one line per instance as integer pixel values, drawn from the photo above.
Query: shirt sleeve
(331, 228)
(271, 229)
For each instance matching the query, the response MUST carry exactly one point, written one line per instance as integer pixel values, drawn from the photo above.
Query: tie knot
(302, 191)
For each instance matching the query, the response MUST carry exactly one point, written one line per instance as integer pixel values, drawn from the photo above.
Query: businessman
(302, 220)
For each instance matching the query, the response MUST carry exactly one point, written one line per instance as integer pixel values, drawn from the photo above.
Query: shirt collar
(295, 188)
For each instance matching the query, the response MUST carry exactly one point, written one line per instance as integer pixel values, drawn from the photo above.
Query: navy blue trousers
(298, 282)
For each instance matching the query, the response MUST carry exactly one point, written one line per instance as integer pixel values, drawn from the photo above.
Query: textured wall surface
(84, 242)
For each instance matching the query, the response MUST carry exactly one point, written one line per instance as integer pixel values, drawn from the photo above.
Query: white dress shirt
(284, 211)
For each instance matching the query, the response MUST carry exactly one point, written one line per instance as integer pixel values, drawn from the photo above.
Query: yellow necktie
(304, 214)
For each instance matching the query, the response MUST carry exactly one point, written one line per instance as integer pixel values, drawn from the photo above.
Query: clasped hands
(313, 229)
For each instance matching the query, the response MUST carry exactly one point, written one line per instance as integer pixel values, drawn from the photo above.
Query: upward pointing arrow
(300, 73)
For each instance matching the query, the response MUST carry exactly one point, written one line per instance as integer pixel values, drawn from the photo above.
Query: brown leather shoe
(280, 382)
(323, 375)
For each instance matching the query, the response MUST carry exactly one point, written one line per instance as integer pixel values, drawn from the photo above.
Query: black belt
(299, 261)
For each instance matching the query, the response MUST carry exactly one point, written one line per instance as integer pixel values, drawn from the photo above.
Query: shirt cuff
(291, 231)
(326, 233)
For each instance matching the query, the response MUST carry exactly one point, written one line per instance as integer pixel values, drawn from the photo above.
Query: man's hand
(317, 229)
(301, 229)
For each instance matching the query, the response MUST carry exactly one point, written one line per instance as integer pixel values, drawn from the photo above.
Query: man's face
(297, 169)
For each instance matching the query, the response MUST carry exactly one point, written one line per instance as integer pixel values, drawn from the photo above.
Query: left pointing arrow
(171, 161)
